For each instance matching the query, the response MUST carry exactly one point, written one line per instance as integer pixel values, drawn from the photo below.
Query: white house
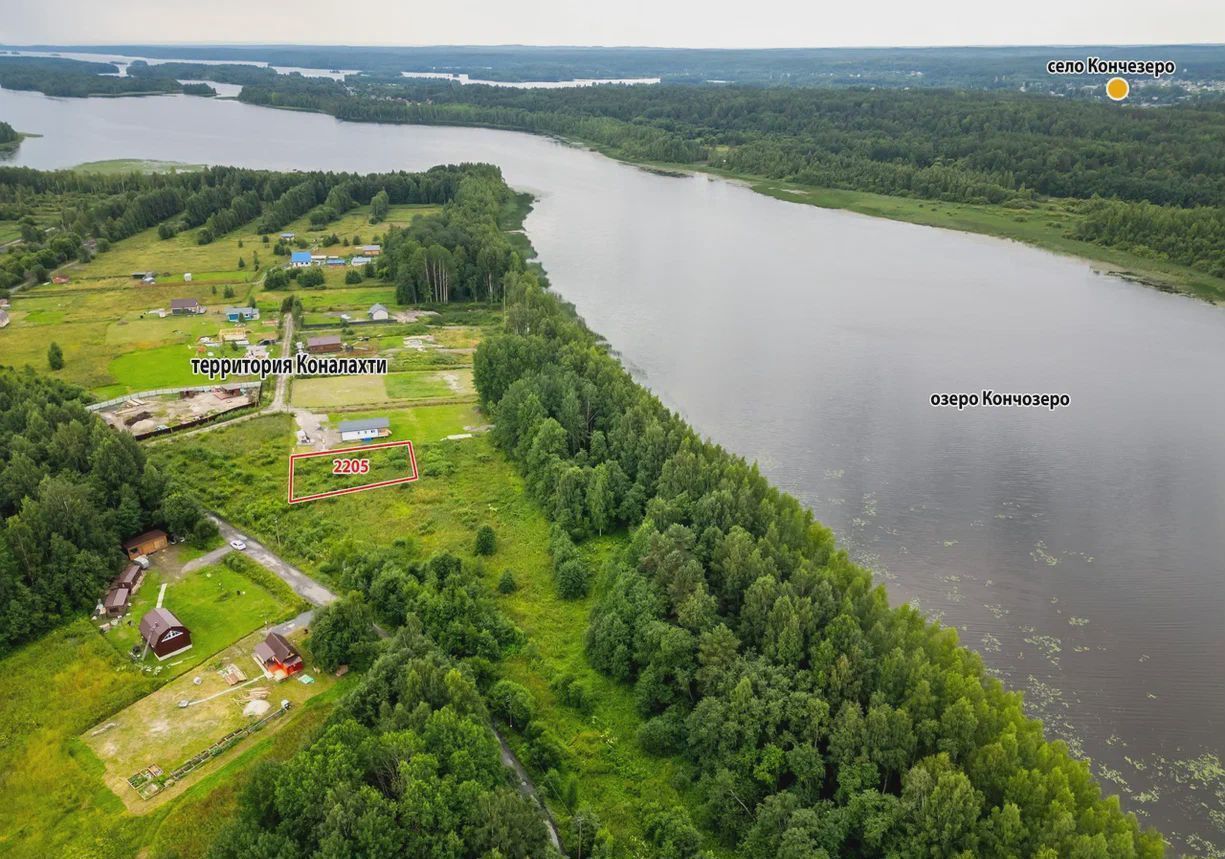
(378, 313)
(364, 430)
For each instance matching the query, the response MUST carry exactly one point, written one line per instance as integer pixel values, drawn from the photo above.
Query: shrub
(55, 357)
(512, 703)
(353, 276)
(203, 533)
(486, 541)
(507, 584)
(571, 579)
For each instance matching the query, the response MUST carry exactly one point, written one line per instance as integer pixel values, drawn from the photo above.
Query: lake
(1080, 550)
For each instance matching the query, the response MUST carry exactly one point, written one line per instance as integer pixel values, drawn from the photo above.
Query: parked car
(238, 545)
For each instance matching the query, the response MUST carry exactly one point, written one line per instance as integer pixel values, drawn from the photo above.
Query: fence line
(95, 407)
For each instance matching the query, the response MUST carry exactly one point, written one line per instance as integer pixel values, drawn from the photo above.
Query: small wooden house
(146, 543)
(116, 601)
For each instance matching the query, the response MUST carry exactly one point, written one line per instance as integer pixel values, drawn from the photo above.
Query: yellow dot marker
(1117, 89)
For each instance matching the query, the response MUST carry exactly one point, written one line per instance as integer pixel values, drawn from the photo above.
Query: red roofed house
(277, 657)
(164, 634)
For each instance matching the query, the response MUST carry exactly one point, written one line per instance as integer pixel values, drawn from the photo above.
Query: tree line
(95, 210)
(816, 720)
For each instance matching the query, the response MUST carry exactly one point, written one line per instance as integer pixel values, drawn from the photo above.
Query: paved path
(279, 400)
(204, 560)
(302, 584)
(524, 783)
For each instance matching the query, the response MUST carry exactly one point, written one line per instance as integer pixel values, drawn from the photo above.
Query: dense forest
(95, 210)
(71, 489)
(817, 721)
(8, 134)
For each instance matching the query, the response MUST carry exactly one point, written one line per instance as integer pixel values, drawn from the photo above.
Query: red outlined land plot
(348, 454)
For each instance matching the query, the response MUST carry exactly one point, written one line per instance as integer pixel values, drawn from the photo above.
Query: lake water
(1081, 551)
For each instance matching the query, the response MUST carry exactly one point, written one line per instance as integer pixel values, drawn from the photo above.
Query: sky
(670, 23)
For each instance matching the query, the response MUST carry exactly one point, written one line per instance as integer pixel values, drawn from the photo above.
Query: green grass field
(110, 335)
(54, 801)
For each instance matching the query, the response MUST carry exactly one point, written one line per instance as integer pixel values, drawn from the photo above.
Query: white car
(237, 545)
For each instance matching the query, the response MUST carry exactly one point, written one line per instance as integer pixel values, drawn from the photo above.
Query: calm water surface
(1081, 551)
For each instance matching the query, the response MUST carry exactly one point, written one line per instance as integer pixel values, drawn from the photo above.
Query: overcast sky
(677, 23)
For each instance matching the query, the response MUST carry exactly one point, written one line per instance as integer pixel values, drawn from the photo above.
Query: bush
(353, 276)
(486, 541)
(512, 703)
(507, 584)
(572, 579)
(310, 277)
(574, 693)
(55, 357)
(203, 533)
(663, 735)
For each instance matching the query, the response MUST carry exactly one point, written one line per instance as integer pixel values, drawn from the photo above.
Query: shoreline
(1041, 225)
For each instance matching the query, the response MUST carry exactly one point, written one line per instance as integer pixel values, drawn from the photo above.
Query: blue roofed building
(300, 259)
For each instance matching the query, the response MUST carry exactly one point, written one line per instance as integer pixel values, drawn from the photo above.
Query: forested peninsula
(1139, 189)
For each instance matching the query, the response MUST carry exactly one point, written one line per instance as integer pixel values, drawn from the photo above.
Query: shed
(164, 633)
(146, 543)
(287, 236)
(129, 577)
(360, 260)
(116, 602)
(371, 250)
(364, 430)
(326, 343)
(277, 656)
(378, 313)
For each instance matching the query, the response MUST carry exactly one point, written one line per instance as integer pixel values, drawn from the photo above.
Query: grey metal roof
(374, 308)
(155, 622)
(367, 424)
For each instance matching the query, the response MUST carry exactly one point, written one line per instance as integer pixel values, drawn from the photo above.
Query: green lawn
(422, 424)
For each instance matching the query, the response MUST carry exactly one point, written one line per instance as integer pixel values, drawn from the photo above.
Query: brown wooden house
(164, 634)
(146, 543)
(116, 601)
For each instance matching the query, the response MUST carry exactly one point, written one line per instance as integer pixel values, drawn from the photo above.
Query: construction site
(148, 414)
